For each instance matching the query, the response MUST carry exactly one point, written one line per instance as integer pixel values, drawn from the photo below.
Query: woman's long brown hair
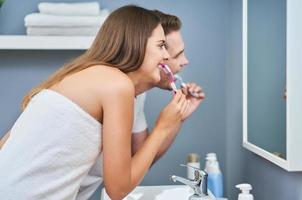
(121, 43)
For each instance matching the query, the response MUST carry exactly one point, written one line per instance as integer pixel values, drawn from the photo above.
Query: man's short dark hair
(169, 22)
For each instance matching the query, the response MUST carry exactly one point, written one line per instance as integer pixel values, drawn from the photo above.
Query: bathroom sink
(165, 192)
(174, 192)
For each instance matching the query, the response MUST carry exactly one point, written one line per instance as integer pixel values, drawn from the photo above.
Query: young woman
(86, 109)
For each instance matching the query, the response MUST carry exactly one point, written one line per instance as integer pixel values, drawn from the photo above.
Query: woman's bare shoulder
(109, 77)
(96, 87)
(108, 82)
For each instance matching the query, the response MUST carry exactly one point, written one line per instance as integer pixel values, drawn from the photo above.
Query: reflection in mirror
(266, 47)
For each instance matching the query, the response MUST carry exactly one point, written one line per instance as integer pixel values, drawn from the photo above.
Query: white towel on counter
(39, 19)
(71, 31)
(84, 8)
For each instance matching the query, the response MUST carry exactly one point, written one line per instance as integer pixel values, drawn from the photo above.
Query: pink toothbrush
(172, 79)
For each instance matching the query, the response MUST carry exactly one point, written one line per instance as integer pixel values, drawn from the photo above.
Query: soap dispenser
(245, 192)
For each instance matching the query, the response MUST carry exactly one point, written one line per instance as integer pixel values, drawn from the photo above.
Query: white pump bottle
(245, 192)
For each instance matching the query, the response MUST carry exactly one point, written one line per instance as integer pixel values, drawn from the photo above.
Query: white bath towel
(51, 148)
(72, 31)
(83, 8)
(95, 176)
(39, 19)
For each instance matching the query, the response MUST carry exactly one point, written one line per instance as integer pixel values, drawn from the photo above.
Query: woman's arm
(167, 123)
(4, 138)
(121, 172)
(138, 139)
(117, 123)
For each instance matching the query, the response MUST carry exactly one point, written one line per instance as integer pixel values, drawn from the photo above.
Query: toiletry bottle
(215, 180)
(193, 161)
(245, 192)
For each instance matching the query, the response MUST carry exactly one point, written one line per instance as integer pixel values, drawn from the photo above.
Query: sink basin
(174, 192)
(165, 192)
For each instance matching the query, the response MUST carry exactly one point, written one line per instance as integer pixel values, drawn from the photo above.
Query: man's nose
(185, 61)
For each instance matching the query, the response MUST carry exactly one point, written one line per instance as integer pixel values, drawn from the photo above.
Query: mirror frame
(293, 160)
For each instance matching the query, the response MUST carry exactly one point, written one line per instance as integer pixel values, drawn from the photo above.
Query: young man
(177, 61)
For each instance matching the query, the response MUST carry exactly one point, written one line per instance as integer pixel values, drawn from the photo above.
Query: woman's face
(155, 55)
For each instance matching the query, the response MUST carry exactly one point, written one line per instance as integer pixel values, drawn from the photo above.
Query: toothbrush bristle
(178, 77)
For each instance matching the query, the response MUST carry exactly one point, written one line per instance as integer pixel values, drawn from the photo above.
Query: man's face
(177, 60)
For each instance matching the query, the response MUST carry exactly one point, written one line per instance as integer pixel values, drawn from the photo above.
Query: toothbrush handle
(173, 86)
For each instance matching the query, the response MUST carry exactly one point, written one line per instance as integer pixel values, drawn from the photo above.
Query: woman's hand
(173, 114)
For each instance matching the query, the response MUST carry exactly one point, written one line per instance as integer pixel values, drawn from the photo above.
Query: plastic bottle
(192, 160)
(215, 180)
(245, 192)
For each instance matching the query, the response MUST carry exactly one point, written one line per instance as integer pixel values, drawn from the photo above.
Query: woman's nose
(166, 55)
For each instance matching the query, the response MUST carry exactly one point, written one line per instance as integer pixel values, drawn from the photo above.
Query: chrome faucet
(198, 184)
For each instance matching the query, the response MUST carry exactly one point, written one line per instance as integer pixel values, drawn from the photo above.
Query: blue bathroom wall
(236, 154)
(205, 33)
(269, 181)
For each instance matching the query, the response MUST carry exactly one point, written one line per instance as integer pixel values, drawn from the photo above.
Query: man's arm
(138, 140)
(4, 138)
(166, 145)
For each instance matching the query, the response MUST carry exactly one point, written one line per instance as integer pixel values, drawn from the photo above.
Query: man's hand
(194, 101)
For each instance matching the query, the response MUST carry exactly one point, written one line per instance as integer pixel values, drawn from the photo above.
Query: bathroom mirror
(271, 46)
(266, 72)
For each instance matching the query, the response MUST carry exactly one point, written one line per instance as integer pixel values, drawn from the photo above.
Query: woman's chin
(157, 79)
